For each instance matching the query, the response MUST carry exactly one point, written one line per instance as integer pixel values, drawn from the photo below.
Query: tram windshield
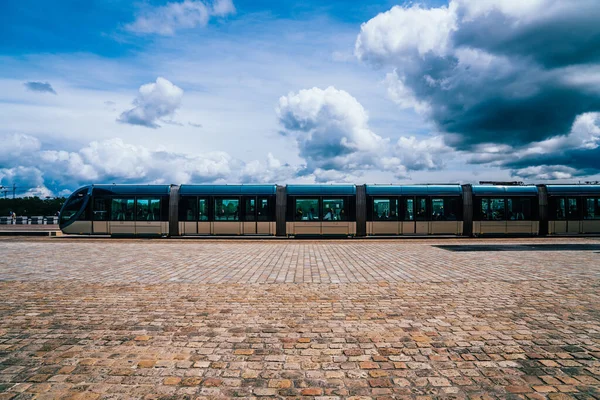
(73, 205)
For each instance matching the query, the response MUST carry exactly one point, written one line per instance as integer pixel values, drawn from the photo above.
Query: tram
(487, 209)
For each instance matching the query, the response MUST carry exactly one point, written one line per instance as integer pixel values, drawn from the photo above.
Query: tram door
(415, 216)
(263, 217)
(250, 216)
(567, 216)
(100, 215)
(573, 220)
(421, 220)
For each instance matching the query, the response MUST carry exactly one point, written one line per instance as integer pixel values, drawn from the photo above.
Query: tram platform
(30, 230)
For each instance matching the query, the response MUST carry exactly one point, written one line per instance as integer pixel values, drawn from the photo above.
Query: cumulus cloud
(154, 101)
(271, 170)
(43, 87)
(492, 73)
(114, 160)
(167, 19)
(402, 95)
(333, 135)
(17, 148)
(51, 172)
(25, 178)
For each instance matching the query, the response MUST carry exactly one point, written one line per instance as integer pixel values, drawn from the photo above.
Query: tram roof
(134, 189)
(403, 190)
(321, 190)
(558, 190)
(193, 190)
(499, 190)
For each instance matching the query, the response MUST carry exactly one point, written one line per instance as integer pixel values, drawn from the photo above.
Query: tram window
(518, 208)
(592, 209)
(148, 209)
(409, 209)
(187, 208)
(421, 209)
(202, 210)
(381, 209)
(560, 208)
(227, 210)
(334, 210)
(572, 209)
(394, 212)
(385, 209)
(492, 209)
(484, 209)
(452, 208)
(497, 209)
(444, 209)
(250, 209)
(100, 209)
(122, 209)
(264, 213)
(307, 210)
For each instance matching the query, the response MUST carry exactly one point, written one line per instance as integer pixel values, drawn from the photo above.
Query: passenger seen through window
(227, 210)
(307, 210)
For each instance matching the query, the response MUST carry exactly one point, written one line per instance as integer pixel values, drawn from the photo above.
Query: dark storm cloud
(585, 161)
(565, 36)
(43, 87)
(511, 100)
(493, 73)
(507, 118)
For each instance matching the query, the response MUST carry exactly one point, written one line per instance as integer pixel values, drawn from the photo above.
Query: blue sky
(259, 91)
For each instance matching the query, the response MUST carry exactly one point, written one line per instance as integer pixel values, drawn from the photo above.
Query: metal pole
(14, 190)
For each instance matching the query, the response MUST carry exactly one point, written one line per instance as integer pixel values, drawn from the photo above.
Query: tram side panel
(227, 210)
(414, 210)
(321, 210)
(573, 209)
(505, 210)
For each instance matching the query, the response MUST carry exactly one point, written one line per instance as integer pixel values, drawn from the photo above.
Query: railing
(24, 220)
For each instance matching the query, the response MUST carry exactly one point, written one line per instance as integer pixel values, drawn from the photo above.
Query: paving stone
(118, 319)
(172, 380)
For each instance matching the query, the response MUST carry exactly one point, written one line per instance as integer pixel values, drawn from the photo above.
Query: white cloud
(483, 72)
(154, 101)
(24, 177)
(513, 8)
(270, 171)
(406, 32)
(332, 131)
(223, 8)
(16, 147)
(44, 172)
(546, 172)
(402, 95)
(115, 159)
(167, 19)
(110, 161)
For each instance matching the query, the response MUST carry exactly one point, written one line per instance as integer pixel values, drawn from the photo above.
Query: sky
(257, 91)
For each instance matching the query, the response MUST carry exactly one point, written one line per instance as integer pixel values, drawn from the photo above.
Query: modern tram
(487, 209)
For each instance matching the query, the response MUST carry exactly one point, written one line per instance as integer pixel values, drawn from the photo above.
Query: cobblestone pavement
(276, 261)
(111, 319)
